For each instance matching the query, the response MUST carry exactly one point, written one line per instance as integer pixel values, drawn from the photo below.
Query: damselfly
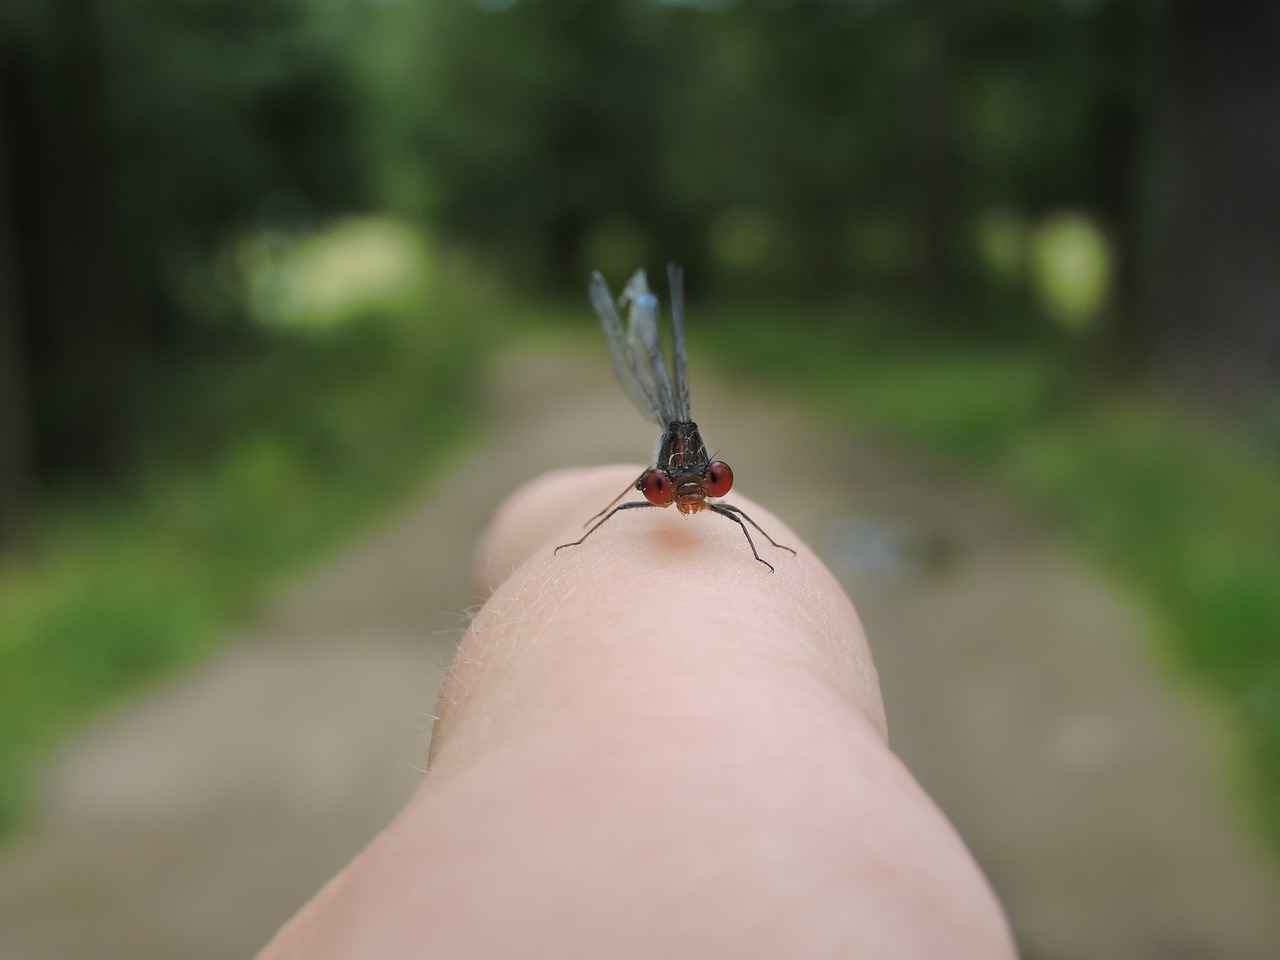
(683, 473)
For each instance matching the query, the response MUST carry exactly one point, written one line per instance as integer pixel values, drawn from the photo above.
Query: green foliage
(1173, 501)
(260, 461)
(927, 380)
(231, 114)
(212, 115)
(530, 124)
(802, 146)
(1184, 514)
(533, 126)
(1189, 517)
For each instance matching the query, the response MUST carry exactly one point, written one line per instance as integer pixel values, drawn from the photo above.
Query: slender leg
(720, 507)
(625, 506)
(635, 485)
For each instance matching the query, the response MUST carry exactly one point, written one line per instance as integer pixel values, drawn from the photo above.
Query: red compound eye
(719, 478)
(656, 487)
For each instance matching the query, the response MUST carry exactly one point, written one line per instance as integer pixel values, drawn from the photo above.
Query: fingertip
(696, 571)
(550, 506)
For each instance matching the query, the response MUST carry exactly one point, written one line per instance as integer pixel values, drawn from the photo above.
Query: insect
(682, 474)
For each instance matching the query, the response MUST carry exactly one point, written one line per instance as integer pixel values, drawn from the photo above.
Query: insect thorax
(681, 452)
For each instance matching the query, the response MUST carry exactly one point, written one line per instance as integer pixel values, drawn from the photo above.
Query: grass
(256, 465)
(1180, 510)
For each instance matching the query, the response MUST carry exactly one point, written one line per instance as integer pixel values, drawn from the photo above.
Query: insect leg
(747, 517)
(724, 512)
(634, 485)
(625, 506)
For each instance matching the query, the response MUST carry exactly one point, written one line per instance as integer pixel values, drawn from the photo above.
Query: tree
(1216, 297)
(138, 138)
(15, 459)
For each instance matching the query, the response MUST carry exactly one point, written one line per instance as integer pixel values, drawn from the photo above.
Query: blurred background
(279, 278)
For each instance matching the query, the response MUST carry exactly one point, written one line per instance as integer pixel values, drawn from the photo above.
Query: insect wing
(624, 360)
(645, 345)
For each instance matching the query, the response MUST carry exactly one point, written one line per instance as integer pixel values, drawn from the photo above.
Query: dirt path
(1021, 691)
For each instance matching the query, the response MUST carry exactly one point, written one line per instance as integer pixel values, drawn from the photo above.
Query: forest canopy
(1105, 166)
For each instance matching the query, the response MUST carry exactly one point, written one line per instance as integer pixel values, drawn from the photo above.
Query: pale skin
(650, 746)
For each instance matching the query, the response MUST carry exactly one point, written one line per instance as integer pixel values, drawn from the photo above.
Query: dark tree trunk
(1217, 313)
(937, 157)
(1131, 145)
(15, 462)
(92, 331)
(15, 450)
(81, 333)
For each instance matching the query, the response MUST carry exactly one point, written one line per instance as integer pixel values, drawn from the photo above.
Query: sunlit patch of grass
(964, 405)
(964, 400)
(1071, 266)
(338, 273)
